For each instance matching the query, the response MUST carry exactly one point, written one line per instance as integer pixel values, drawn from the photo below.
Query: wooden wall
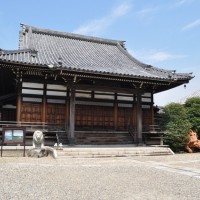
(31, 112)
(55, 113)
(124, 117)
(93, 109)
(94, 117)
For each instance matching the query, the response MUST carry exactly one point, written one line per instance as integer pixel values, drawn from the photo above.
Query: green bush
(192, 106)
(176, 134)
(176, 126)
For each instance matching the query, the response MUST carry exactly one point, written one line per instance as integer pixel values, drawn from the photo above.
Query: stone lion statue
(38, 139)
(193, 142)
(39, 150)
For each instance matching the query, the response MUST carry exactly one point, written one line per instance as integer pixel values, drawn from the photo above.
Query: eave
(42, 70)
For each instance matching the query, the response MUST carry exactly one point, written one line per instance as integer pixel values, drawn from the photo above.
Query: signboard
(13, 136)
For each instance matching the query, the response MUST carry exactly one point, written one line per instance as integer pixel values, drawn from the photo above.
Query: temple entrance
(7, 95)
(102, 124)
(8, 113)
(93, 117)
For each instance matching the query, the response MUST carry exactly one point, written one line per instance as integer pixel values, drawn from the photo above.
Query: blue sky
(163, 33)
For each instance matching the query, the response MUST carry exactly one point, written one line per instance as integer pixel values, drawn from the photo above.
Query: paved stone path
(141, 177)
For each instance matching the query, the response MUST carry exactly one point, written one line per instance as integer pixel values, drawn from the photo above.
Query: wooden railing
(51, 130)
(32, 126)
(132, 131)
(153, 132)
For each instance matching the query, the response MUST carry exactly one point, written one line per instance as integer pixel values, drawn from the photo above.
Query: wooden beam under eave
(109, 89)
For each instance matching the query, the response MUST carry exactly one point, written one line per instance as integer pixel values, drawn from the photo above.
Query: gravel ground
(128, 178)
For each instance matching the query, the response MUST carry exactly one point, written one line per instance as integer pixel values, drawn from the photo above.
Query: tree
(176, 126)
(192, 106)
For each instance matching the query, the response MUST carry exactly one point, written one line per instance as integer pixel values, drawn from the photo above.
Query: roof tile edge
(71, 35)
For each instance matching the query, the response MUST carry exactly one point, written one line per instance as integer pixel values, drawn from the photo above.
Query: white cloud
(146, 12)
(192, 25)
(182, 2)
(121, 10)
(153, 56)
(160, 56)
(96, 26)
(169, 96)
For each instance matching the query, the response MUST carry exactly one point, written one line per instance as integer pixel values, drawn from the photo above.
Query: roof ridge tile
(16, 51)
(25, 28)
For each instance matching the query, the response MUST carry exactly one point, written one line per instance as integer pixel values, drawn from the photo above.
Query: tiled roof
(82, 53)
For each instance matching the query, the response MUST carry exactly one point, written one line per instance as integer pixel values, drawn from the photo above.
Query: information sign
(13, 136)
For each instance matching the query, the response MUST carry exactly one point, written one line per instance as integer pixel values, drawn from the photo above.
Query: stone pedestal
(42, 152)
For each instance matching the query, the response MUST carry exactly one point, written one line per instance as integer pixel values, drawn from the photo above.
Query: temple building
(87, 88)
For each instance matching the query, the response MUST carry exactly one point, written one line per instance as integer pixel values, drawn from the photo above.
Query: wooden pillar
(152, 110)
(18, 108)
(72, 117)
(139, 120)
(19, 101)
(133, 119)
(134, 112)
(115, 112)
(44, 100)
(67, 114)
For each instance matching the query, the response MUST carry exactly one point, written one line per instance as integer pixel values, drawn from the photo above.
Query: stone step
(103, 137)
(93, 152)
